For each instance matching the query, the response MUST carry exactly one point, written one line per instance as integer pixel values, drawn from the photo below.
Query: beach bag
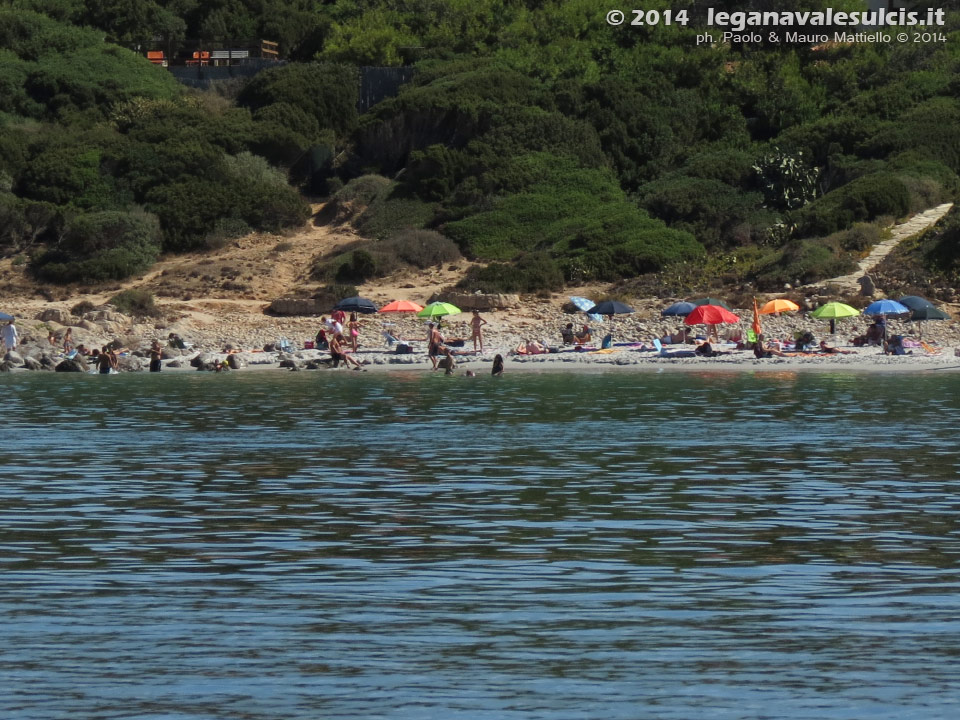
(403, 349)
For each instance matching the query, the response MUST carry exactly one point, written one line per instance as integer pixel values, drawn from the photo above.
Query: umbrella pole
(833, 326)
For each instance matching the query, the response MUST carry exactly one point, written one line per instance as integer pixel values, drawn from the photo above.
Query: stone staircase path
(850, 283)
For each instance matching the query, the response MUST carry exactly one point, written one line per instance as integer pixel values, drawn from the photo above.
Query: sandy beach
(253, 339)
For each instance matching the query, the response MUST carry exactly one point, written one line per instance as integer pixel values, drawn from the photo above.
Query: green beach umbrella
(711, 301)
(927, 313)
(832, 311)
(438, 309)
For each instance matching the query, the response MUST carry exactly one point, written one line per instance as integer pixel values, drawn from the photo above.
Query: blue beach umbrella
(886, 307)
(4, 317)
(678, 309)
(586, 305)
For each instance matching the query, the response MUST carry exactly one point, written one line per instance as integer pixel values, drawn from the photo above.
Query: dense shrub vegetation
(533, 137)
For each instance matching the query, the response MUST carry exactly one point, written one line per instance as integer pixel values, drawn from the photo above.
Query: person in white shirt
(10, 336)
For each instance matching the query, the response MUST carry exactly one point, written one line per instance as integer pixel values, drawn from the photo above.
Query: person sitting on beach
(530, 347)
(566, 334)
(763, 350)
(447, 362)
(497, 369)
(338, 355)
(704, 349)
(894, 346)
(320, 342)
(583, 337)
(803, 341)
(680, 337)
(873, 336)
(824, 348)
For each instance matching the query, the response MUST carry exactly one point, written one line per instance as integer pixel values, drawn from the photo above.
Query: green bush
(864, 199)
(420, 248)
(387, 216)
(360, 268)
(531, 272)
(802, 262)
(334, 293)
(325, 91)
(102, 246)
(579, 216)
(712, 211)
(136, 303)
(225, 230)
(858, 239)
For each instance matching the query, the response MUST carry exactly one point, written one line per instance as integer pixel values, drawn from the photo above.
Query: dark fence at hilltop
(376, 83)
(379, 83)
(203, 77)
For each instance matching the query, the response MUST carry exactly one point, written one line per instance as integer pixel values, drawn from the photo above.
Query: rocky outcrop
(32, 363)
(62, 317)
(15, 359)
(480, 301)
(298, 306)
(235, 362)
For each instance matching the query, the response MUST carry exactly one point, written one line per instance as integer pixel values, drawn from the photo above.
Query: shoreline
(214, 338)
(869, 360)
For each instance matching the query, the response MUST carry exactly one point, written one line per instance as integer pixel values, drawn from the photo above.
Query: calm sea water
(344, 545)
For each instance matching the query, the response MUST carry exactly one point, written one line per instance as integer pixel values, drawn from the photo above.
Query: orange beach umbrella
(401, 306)
(778, 305)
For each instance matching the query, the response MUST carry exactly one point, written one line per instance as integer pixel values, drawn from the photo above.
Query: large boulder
(31, 363)
(131, 363)
(480, 301)
(15, 359)
(298, 306)
(235, 362)
(63, 317)
(74, 364)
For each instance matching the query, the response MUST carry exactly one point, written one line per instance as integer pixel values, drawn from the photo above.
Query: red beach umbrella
(710, 315)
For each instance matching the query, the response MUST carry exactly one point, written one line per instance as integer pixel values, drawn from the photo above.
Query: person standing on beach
(354, 327)
(156, 357)
(10, 335)
(104, 364)
(68, 340)
(434, 344)
(477, 322)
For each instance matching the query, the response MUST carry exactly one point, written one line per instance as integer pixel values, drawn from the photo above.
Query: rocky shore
(223, 333)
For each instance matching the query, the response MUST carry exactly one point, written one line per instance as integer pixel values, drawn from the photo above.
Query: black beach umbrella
(711, 301)
(610, 307)
(915, 302)
(927, 313)
(678, 309)
(356, 304)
